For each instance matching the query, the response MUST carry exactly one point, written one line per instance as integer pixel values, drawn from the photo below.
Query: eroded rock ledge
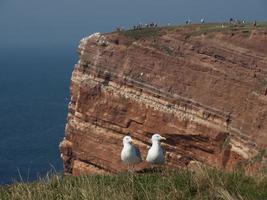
(205, 91)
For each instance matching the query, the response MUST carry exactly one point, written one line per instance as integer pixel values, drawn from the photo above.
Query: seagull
(130, 154)
(156, 154)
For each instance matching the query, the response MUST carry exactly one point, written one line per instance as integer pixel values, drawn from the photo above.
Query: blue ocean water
(34, 91)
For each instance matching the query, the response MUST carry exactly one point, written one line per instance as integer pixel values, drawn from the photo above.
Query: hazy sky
(64, 22)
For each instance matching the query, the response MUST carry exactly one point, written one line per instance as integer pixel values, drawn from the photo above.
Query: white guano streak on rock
(181, 112)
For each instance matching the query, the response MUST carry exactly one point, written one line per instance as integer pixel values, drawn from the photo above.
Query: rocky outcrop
(204, 88)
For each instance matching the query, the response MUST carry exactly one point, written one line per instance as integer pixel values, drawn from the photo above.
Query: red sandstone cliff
(202, 87)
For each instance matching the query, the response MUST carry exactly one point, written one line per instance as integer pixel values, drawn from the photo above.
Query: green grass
(262, 24)
(213, 28)
(162, 48)
(202, 184)
(193, 30)
(142, 33)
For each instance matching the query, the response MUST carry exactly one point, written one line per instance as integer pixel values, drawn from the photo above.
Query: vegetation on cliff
(201, 184)
(194, 29)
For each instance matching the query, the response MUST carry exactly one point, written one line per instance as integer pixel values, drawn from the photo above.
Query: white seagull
(130, 154)
(156, 154)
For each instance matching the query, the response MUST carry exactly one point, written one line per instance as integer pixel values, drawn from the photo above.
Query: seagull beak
(163, 138)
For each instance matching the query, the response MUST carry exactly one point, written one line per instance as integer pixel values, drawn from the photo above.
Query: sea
(34, 95)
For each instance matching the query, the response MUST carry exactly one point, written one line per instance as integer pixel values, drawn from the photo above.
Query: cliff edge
(203, 87)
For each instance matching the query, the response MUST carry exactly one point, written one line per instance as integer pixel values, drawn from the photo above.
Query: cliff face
(204, 88)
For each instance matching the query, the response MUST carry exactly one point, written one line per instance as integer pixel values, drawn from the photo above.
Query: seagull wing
(138, 153)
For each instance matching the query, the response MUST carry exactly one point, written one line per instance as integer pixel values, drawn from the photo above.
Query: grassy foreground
(202, 184)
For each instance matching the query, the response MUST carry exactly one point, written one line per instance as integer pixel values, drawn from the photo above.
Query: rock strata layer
(203, 89)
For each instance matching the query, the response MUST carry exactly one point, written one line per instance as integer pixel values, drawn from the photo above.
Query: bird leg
(130, 168)
(153, 168)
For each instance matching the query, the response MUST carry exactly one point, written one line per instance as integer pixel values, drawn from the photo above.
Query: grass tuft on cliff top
(193, 29)
(142, 33)
(201, 184)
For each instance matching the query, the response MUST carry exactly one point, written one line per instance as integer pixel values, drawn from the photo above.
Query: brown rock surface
(204, 88)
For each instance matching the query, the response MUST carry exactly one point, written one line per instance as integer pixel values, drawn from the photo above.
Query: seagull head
(157, 138)
(127, 140)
